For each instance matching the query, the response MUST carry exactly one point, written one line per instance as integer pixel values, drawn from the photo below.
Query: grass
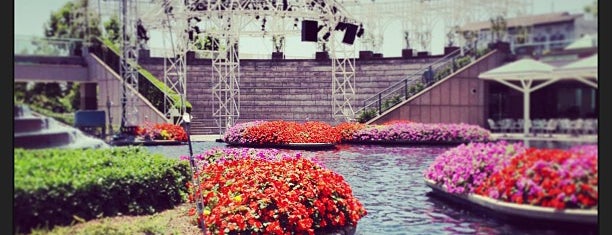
(173, 221)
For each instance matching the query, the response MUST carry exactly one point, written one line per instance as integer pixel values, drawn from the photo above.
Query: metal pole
(194, 176)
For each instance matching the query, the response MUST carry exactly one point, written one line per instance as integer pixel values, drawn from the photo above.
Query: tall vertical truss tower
(129, 63)
(175, 62)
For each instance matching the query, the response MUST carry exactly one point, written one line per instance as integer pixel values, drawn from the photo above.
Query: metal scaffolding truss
(129, 61)
(175, 67)
(420, 17)
(129, 44)
(221, 24)
(226, 21)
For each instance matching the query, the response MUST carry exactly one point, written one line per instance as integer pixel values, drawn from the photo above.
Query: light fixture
(326, 36)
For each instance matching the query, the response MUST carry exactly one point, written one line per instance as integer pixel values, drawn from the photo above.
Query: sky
(30, 16)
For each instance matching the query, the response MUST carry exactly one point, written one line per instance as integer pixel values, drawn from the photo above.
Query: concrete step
(39, 140)
(29, 124)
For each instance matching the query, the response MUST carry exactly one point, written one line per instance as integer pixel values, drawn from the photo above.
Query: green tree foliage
(112, 29)
(73, 20)
(591, 9)
(499, 26)
(53, 96)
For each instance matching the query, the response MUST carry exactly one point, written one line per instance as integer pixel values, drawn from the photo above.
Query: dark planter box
(377, 55)
(502, 46)
(278, 56)
(190, 56)
(322, 55)
(144, 54)
(407, 53)
(365, 55)
(448, 50)
(422, 54)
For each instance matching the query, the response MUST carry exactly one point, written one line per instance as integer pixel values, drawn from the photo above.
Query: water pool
(388, 181)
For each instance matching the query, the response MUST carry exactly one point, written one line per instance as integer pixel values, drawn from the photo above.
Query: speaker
(309, 30)
(349, 34)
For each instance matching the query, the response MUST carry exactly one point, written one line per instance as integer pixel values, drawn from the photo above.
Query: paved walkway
(205, 138)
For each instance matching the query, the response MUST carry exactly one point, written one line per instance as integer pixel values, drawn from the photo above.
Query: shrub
(366, 115)
(56, 186)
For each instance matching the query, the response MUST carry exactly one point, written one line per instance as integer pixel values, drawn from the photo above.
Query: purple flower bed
(465, 167)
(421, 132)
(219, 154)
(235, 133)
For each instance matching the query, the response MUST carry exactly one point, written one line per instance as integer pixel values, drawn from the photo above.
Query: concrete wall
(295, 90)
(460, 98)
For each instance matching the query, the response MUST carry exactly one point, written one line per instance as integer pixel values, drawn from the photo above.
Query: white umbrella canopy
(586, 67)
(525, 71)
(522, 69)
(586, 41)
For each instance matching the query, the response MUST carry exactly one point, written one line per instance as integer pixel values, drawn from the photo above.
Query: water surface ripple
(389, 182)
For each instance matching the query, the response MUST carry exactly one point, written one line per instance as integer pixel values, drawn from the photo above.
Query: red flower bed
(286, 196)
(162, 131)
(347, 129)
(547, 177)
(283, 132)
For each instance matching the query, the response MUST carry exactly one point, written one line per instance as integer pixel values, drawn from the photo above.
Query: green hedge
(58, 186)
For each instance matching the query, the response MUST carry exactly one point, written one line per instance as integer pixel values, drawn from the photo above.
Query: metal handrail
(399, 91)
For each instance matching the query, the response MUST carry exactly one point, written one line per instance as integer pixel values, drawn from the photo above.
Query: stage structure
(212, 28)
(133, 37)
(420, 17)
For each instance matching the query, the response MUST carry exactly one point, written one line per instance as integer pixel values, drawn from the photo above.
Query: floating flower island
(150, 134)
(412, 133)
(526, 183)
(314, 134)
(266, 191)
(283, 134)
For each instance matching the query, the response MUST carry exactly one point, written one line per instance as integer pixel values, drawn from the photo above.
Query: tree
(591, 9)
(279, 42)
(73, 20)
(407, 39)
(451, 34)
(112, 29)
(498, 28)
(522, 34)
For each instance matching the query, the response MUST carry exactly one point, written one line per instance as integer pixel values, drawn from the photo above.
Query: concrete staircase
(35, 131)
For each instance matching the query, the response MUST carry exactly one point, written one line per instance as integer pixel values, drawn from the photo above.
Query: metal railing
(539, 47)
(411, 85)
(40, 46)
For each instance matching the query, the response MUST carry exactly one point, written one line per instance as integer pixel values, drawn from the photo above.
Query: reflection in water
(388, 180)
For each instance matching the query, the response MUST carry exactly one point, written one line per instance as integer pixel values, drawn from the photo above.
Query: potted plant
(370, 43)
(407, 51)
(279, 44)
(323, 53)
(424, 39)
(499, 29)
(450, 36)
